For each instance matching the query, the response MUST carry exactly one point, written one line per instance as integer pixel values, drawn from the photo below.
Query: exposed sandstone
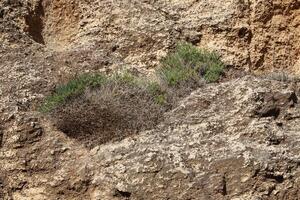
(252, 34)
(213, 146)
(234, 140)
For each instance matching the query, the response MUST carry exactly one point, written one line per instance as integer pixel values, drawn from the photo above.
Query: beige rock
(223, 141)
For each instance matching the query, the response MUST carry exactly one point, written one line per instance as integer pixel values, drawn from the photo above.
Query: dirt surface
(238, 139)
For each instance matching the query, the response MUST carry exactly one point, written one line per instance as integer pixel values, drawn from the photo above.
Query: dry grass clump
(97, 108)
(282, 77)
(109, 112)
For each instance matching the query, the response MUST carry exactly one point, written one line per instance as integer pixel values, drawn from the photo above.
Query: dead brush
(282, 77)
(107, 113)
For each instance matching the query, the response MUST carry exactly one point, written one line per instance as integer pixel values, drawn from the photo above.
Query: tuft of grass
(160, 99)
(159, 95)
(125, 77)
(72, 88)
(213, 73)
(188, 63)
(154, 88)
(77, 86)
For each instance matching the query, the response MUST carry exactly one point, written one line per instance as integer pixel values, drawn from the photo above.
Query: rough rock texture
(222, 142)
(251, 34)
(234, 140)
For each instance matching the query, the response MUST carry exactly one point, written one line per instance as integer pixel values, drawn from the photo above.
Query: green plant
(96, 112)
(213, 72)
(160, 99)
(124, 77)
(72, 88)
(190, 63)
(159, 95)
(154, 88)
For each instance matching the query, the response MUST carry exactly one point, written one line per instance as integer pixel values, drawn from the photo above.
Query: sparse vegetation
(118, 105)
(125, 77)
(73, 88)
(188, 63)
(111, 111)
(282, 76)
(159, 95)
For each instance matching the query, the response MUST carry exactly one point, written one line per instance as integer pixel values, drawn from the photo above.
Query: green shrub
(213, 73)
(77, 86)
(154, 88)
(188, 63)
(72, 88)
(160, 99)
(159, 95)
(98, 109)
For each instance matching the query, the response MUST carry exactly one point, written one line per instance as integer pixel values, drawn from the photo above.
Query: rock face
(222, 142)
(251, 34)
(234, 140)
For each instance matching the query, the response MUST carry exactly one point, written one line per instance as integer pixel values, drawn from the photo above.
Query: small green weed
(72, 88)
(159, 95)
(190, 63)
(124, 77)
